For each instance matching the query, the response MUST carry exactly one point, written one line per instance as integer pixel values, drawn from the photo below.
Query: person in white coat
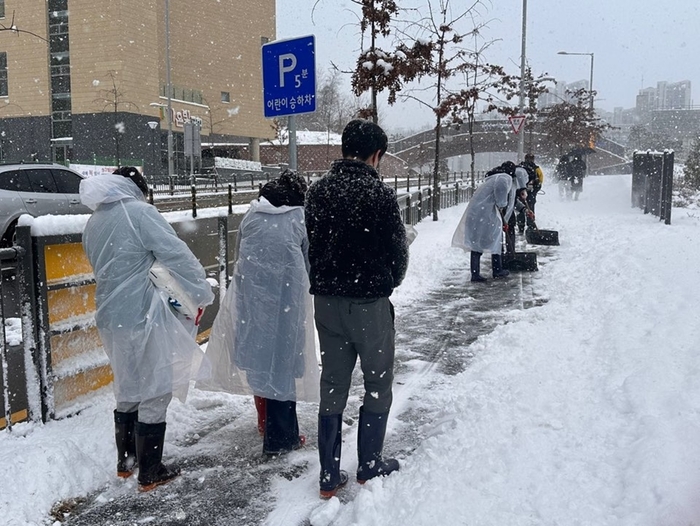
(486, 218)
(152, 352)
(262, 341)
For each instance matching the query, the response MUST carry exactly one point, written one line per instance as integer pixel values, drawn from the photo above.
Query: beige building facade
(86, 80)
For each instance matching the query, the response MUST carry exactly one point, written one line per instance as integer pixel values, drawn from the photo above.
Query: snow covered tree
(461, 107)
(573, 124)
(440, 31)
(378, 70)
(533, 88)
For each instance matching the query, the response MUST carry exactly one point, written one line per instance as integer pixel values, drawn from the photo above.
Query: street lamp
(590, 82)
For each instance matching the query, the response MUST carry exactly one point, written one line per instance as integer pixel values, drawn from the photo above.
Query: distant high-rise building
(665, 96)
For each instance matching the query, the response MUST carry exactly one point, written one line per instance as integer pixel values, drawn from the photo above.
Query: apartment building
(86, 80)
(665, 96)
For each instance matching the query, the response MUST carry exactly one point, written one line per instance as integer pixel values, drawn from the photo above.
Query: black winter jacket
(357, 241)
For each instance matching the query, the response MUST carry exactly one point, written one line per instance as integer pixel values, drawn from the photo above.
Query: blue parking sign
(289, 77)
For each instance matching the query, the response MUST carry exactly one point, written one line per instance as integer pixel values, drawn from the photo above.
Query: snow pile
(237, 164)
(583, 411)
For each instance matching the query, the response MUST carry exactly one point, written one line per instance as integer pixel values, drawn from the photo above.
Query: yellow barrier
(71, 308)
(66, 261)
(19, 416)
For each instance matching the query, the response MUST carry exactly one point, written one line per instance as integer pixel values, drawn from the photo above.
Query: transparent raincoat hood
(151, 351)
(481, 226)
(262, 341)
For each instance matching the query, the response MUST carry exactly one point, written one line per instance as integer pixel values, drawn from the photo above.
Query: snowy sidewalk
(227, 481)
(567, 396)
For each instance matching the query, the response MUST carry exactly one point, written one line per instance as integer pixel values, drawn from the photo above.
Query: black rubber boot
(370, 441)
(281, 428)
(126, 442)
(149, 450)
(497, 267)
(330, 439)
(475, 267)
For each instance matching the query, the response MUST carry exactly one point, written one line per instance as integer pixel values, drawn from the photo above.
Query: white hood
(108, 188)
(263, 205)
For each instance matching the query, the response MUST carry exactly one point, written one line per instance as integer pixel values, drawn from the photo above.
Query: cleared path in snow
(226, 481)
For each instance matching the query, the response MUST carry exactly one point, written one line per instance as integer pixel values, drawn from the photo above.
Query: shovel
(536, 236)
(519, 261)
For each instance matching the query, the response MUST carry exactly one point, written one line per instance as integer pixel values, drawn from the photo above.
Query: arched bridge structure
(497, 136)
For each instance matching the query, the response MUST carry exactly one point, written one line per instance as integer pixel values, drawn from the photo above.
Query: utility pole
(521, 101)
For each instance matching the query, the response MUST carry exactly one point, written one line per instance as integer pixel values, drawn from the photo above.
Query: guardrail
(246, 182)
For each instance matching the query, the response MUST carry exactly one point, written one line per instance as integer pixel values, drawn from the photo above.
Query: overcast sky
(636, 42)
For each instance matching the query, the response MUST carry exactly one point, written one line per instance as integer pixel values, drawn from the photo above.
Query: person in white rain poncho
(486, 217)
(152, 353)
(262, 342)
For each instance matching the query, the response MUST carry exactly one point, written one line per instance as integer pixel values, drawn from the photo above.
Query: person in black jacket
(358, 254)
(534, 185)
(577, 171)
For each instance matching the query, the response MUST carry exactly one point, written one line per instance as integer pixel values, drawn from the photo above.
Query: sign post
(516, 122)
(193, 145)
(289, 83)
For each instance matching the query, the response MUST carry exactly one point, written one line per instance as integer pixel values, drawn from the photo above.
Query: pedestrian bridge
(497, 136)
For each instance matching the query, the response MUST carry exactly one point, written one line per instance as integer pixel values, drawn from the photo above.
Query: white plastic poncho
(481, 226)
(262, 341)
(152, 353)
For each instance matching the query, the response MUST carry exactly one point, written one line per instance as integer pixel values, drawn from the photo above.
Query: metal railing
(13, 396)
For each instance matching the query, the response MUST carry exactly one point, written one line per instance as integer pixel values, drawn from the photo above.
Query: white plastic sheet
(151, 352)
(262, 341)
(481, 226)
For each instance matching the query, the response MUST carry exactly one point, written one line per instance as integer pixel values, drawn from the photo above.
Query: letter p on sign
(292, 59)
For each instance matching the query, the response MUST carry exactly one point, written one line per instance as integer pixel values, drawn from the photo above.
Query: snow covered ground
(581, 411)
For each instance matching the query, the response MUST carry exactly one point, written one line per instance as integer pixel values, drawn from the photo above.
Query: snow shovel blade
(520, 261)
(542, 237)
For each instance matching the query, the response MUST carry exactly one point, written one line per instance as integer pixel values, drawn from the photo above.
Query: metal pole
(169, 85)
(292, 125)
(521, 102)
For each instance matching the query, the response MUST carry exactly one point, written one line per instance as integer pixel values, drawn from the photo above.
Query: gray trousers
(348, 328)
(150, 411)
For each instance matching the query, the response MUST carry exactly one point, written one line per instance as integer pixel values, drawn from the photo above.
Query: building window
(2, 8)
(225, 96)
(183, 94)
(3, 75)
(59, 56)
